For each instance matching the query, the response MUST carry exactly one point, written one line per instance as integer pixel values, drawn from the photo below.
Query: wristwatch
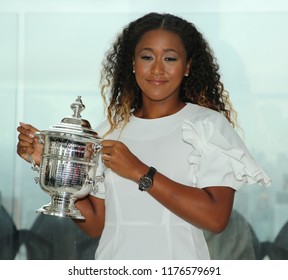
(146, 181)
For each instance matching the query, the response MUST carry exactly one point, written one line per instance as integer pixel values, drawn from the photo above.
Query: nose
(157, 67)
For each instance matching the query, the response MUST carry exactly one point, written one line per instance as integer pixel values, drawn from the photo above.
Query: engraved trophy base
(61, 206)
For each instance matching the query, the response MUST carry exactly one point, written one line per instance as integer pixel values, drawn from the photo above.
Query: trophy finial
(77, 107)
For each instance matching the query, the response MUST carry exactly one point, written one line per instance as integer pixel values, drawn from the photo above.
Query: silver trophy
(69, 167)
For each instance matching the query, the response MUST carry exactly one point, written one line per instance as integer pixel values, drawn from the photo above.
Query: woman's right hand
(28, 144)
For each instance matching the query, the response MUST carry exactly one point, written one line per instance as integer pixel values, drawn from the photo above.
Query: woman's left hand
(121, 160)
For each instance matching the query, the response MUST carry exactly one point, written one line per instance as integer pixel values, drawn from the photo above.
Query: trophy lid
(74, 124)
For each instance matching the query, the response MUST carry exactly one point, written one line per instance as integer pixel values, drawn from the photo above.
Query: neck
(158, 110)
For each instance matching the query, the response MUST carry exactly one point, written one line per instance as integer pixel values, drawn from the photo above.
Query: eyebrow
(165, 50)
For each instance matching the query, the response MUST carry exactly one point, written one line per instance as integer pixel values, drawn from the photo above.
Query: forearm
(93, 210)
(207, 208)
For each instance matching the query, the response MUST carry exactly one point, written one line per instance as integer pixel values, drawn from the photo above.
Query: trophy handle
(96, 147)
(39, 135)
(91, 183)
(34, 167)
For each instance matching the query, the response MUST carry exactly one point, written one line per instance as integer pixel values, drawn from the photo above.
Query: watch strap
(151, 172)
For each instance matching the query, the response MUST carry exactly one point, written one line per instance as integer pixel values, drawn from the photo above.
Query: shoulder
(196, 113)
(207, 123)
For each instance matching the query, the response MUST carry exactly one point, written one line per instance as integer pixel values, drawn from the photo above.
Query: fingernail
(31, 135)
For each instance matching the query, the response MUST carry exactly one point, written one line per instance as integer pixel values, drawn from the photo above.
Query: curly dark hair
(202, 86)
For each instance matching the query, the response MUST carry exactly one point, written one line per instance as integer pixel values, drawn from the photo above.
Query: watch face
(145, 183)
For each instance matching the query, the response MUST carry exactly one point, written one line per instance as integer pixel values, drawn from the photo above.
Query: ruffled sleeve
(218, 155)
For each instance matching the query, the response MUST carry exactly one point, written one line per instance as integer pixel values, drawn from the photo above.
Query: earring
(133, 71)
(186, 75)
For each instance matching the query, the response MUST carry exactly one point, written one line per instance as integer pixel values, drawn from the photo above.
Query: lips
(156, 81)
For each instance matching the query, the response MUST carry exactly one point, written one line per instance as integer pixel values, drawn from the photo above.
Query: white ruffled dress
(197, 147)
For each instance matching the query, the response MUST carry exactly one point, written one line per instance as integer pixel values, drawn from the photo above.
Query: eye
(146, 57)
(170, 59)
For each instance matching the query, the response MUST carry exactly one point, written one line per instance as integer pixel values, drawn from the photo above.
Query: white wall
(51, 52)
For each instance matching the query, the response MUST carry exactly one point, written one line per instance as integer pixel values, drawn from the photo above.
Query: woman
(174, 157)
